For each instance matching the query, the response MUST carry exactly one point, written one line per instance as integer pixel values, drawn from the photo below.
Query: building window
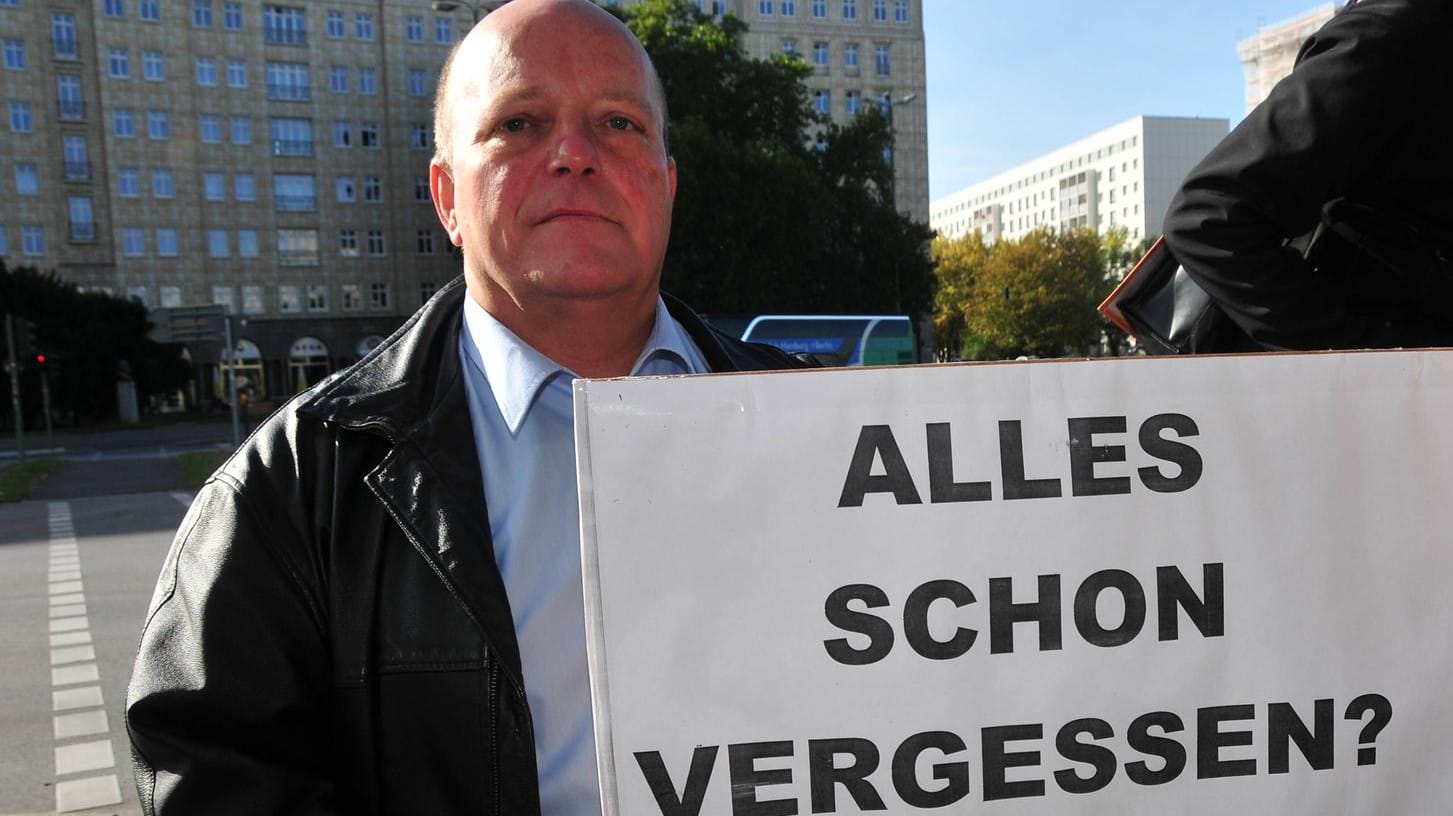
(338, 79)
(217, 245)
(222, 296)
(118, 63)
(424, 240)
(27, 179)
(14, 55)
(153, 66)
(372, 189)
(789, 46)
(288, 300)
(68, 98)
(171, 296)
(375, 242)
(32, 240)
(150, 10)
(336, 27)
(418, 82)
(443, 31)
(352, 297)
(363, 26)
(317, 297)
(133, 242)
(850, 9)
(900, 11)
(367, 81)
(427, 290)
(63, 36)
(414, 29)
(207, 72)
(342, 134)
(283, 25)
(378, 297)
(202, 13)
(236, 73)
(241, 130)
(83, 220)
(20, 118)
(115, 8)
(368, 134)
(789, 8)
(820, 54)
(294, 192)
(166, 242)
(297, 247)
(4, 242)
(287, 81)
(885, 68)
(419, 136)
(247, 243)
(880, 11)
(421, 188)
(158, 126)
(344, 186)
(128, 182)
(214, 186)
(819, 9)
(348, 243)
(850, 57)
(161, 184)
(232, 16)
(822, 101)
(77, 162)
(854, 102)
(764, 8)
(243, 187)
(209, 128)
(291, 137)
(251, 298)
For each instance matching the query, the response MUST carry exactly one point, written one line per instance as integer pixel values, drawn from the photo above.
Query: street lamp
(887, 105)
(478, 9)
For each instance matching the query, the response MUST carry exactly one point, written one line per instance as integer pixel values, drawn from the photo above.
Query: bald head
(476, 59)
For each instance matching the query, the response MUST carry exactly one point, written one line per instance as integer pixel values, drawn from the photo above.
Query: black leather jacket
(330, 633)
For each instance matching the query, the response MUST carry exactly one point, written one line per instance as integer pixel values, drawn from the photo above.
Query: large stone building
(273, 157)
(863, 52)
(1123, 176)
(1268, 55)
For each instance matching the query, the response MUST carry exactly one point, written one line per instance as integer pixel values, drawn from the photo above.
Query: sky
(1009, 80)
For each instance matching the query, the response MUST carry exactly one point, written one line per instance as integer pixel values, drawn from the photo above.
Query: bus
(844, 340)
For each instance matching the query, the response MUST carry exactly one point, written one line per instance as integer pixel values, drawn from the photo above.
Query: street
(75, 579)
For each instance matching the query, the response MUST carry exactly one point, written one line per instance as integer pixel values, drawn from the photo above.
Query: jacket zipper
(494, 735)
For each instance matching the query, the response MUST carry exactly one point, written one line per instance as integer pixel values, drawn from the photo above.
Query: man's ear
(671, 176)
(441, 189)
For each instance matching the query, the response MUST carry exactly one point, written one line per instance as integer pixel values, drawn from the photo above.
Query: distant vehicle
(845, 340)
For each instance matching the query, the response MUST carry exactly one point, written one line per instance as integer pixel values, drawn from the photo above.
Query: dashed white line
(75, 680)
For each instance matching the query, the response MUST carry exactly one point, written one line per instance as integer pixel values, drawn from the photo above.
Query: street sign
(187, 324)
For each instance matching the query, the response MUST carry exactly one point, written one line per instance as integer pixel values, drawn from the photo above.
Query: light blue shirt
(522, 410)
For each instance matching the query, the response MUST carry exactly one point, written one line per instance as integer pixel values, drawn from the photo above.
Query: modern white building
(1268, 55)
(1123, 176)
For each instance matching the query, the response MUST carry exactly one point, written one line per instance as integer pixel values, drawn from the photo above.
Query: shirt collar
(515, 371)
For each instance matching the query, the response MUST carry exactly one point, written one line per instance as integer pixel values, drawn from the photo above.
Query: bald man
(375, 605)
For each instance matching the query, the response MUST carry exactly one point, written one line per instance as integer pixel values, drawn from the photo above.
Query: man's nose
(574, 152)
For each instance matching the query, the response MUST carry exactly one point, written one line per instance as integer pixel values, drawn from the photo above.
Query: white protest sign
(1190, 586)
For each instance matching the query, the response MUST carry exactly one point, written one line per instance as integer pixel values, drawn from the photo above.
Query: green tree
(86, 337)
(957, 262)
(777, 209)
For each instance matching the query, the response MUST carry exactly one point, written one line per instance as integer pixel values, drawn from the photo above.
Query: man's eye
(514, 125)
(620, 123)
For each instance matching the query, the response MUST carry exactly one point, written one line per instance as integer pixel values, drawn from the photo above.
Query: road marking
(184, 498)
(73, 663)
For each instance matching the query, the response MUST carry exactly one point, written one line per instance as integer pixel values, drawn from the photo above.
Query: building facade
(1268, 55)
(1123, 176)
(269, 158)
(862, 52)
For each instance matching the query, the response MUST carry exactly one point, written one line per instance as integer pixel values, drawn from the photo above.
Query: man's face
(559, 185)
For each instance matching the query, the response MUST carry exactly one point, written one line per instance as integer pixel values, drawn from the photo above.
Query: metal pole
(231, 356)
(14, 368)
(45, 397)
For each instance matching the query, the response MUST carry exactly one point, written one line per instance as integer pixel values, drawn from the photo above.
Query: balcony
(282, 35)
(297, 257)
(292, 147)
(286, 92)
(65, 48)
(71, 110)
(83, 231)
(77, 170)
(296, 203)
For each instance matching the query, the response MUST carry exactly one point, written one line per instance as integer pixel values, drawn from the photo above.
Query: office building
(1123, 176)
(1268, 55)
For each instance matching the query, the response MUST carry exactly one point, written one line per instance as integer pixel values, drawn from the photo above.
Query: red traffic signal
(40, 358)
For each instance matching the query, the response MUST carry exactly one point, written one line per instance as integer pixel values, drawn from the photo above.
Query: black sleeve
(227, 710)
(1321, 129)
